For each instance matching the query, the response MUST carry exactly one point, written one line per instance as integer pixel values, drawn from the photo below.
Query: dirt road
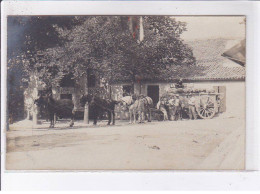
(201, 144)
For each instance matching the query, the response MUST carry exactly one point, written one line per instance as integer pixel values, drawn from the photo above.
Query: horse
(140, 105)
(145, 103)
(131, 103)
(61, 108)
(99, 106)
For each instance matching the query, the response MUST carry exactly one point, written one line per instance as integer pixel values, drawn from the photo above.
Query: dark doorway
(153, 92)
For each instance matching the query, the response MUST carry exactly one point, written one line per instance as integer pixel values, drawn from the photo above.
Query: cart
(207, 102)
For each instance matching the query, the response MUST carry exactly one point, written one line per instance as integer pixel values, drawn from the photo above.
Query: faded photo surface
(126, 93)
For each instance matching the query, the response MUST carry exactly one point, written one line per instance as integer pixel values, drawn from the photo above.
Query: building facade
(212, 71)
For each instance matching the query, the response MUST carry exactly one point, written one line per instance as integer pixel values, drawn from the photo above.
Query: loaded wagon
(207, 102)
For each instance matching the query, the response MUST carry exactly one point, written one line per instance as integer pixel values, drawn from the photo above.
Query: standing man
(161, 105)
(177, 107)
(192, 112)
(182, 106)
(141, 108)
(171, 108)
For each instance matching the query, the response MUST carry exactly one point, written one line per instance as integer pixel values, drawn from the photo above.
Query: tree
(53, 46)
(106, 44)
(160, 49)
(28, 38)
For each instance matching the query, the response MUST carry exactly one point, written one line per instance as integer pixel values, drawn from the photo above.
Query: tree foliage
(28, 39)
(55, 46)
(106, 44)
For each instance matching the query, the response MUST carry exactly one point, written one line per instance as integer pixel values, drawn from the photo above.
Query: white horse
(131, 104)
(141, 105)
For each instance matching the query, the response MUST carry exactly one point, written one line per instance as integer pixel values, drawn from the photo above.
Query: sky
(207, 27)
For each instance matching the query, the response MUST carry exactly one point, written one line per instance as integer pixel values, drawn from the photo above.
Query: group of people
(173, 107)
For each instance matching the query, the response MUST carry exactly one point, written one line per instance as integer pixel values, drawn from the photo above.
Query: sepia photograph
(137, 92)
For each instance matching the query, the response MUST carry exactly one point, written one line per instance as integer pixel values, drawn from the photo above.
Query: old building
(212, 71)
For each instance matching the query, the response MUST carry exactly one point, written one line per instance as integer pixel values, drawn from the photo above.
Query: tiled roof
(220, 72)
(210, 65)
(208, 54)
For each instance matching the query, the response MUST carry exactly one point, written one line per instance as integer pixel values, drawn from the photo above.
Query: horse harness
(128, 105)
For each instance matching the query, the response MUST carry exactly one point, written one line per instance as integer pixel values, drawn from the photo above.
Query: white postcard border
(144, 179)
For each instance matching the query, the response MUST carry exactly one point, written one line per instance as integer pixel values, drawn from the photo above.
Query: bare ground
(218, 144)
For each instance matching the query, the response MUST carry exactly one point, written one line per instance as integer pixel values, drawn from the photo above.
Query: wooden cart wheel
(207, 108)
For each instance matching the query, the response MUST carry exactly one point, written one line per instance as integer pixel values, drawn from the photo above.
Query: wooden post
(86, 113)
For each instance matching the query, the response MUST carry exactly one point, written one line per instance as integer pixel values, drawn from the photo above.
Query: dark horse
(99, 106)
(61, 108)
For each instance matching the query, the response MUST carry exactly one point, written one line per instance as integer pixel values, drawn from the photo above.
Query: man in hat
(161, 105)
(141, 108)
(171, 108)
(177, 108)
(192, 111)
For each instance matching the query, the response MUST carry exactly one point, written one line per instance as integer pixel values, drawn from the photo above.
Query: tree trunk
(133, 84)
(28, 114)
(140, 88)
(110, 91)
(86, 107)
(35, 115)
(86, 114)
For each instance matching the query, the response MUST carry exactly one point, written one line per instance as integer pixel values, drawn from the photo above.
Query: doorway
(153, 92)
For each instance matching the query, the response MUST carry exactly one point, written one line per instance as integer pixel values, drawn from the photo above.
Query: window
(127, 90)
(66, 96)
(67, 81)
